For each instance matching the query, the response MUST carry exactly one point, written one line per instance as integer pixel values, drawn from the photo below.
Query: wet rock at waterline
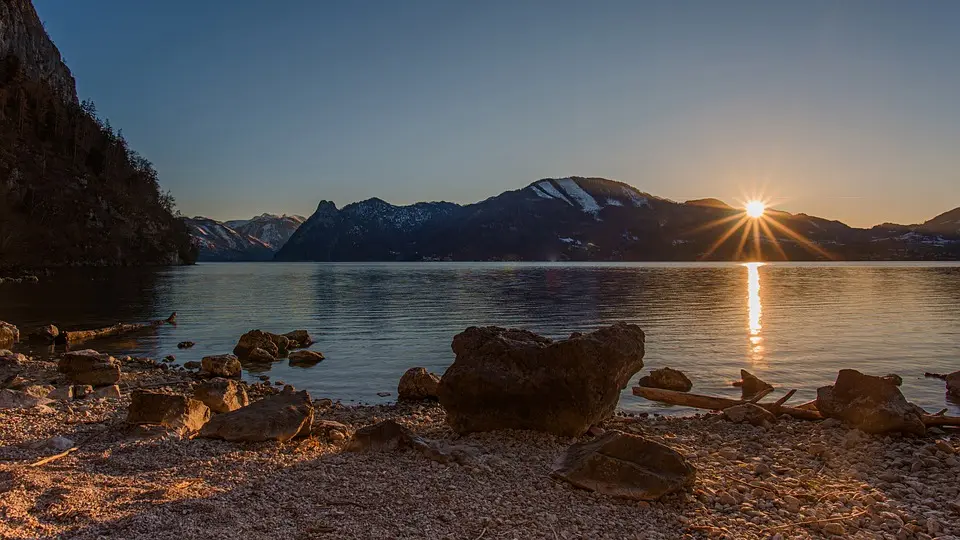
(185, 344)
(953, 384)
(298, 339)
(221, 395)
(9, 335)
(279, 417)
(260, 356)
(625, 466)
(418, 384)
(222, 365)
(168, 410)
(667, 379)
(45, 334)
(751, 385)
(305, 358)
(515, 379)
(872, 404)
(89, 367)
(255, 339)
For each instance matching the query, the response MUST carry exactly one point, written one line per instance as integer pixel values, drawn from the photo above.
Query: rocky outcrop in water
(515, 379)
(668, 379)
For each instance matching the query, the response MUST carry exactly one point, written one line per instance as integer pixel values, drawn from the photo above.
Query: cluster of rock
(220, 409)
(869, 403)
(257, 346)
(87, 374)
(9, 335)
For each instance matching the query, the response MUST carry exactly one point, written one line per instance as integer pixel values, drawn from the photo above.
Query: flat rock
(330, 429)
(305, 358)
(667, 379)
(14, 399)
(63, 393)
(385, 436)
(515, 379)
(872, 404)
(749, 413)
(418, 384)
(221, 395)
(625, 466)
(279, 417)
(168, 410)
(90, 367)
(221, 365)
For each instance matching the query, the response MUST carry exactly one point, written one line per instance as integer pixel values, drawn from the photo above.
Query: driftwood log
(806, 411)
(718, 403)
(79, 336)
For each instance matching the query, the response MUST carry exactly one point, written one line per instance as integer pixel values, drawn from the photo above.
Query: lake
(792, 324)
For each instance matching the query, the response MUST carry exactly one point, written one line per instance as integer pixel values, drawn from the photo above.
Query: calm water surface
(793, 325)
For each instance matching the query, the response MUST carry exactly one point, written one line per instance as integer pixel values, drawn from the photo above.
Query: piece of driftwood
(698, 401)
(716, 403)
(54, 457)
(79, 336)
(808, 405)
(760, 395)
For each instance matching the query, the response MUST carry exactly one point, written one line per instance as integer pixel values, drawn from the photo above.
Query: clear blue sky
(849, 110)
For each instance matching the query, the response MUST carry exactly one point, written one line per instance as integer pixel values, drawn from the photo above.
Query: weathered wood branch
(698, 401)
(716, 403)
(79, 336)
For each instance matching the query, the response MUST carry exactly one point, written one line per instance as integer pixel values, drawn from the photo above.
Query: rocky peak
(23, 36)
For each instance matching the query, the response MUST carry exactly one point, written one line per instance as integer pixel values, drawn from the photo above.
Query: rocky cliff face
(72, 192)
(22, 35)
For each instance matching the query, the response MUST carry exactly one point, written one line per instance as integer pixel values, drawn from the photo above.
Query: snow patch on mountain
(547, 187)
(540, 193)
(587, 203)
(614, 202)
(637, 199)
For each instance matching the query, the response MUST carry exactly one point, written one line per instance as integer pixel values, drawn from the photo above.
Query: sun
(755, 208)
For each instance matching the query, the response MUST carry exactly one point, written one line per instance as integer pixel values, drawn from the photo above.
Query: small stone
(169, 358)
(193, 364)
(223, 365)
(383, 394)
(791, 503)
(64, 393)
(834, 529)
(727, 499)
(185, 344)
(728, 453)
(945, 447)
(761, 469)
(81, 391)
(305, 358)
(109, 392)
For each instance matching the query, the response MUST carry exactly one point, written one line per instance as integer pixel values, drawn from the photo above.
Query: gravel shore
(796, 479)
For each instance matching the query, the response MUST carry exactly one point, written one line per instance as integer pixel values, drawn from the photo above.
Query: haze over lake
(793, 325)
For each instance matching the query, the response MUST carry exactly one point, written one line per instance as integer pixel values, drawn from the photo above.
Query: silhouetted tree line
(72, 192)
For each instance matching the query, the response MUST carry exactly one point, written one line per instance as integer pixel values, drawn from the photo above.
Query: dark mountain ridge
(596, 219)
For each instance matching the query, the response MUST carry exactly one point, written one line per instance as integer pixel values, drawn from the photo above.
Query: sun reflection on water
(754, 310)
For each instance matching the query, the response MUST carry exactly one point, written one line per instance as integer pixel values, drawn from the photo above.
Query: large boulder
(9, 335)
(305, 358)
(221, 395)
(279, 417)
(626, 466)
(90, 367)
(515, 379)
(299, 339)
(168, 410)
(872, 404)
(418, 384)
(221, 365)
(953, 384)
(667, 379)
(751, 385)
(275, 345)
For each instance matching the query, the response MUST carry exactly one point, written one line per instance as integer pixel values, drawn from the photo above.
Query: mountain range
(571, 219)
(255, 239)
